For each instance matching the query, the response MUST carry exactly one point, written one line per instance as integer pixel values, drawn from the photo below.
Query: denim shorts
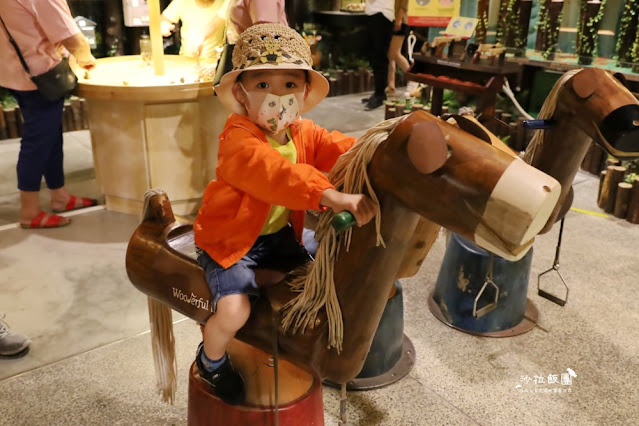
(276, 251)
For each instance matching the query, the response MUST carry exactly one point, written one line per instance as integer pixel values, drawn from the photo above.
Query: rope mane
(316, 286)
(547, 111)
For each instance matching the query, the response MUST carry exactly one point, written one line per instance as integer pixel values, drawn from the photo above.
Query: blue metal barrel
(461, 278)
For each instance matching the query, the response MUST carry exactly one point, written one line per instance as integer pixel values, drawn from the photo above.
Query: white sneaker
(411, 86)
(11, 343)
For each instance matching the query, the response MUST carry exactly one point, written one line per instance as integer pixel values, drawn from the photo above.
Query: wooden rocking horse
(485, 194)
(583, 106)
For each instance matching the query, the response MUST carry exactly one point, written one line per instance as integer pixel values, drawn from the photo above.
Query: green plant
(630, 177)
(6, 99)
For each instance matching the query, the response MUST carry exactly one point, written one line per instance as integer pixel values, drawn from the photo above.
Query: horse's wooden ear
(584, 84)
(621, 78)
(427, 148)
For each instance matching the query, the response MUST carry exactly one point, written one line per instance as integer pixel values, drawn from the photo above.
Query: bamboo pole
(157, 48)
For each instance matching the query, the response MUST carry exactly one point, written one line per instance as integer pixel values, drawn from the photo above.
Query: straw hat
(271, 47)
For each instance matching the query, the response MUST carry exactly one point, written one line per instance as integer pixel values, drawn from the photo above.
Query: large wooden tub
(151, 131)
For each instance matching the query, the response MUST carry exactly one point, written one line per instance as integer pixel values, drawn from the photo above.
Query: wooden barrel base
(300, 394)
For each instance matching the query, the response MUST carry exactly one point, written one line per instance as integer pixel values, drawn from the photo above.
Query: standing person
(380, 16)
(12, 344)
(269, 171)
(395, 57)
(202, 31)
(42, 30)
(242, 14)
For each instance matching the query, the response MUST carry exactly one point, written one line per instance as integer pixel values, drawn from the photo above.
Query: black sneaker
(227, 383)
(365, 100)
(374, 102)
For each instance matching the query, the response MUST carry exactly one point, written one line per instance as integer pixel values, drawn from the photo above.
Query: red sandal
(76, 203)
(45, 220)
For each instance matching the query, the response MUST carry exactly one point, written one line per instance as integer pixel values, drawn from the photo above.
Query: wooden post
(606, 200)
(602, 179)
(521, 39)
(586, 45)
(548, 32)
(333, 86)
(621, 200)
(633, 203)
(350, 82)
(3, 125)
(482, 21)
(501, 20)
(12, 125)
(340, 82)
(389, 110)
(627, 29)
(362, 79)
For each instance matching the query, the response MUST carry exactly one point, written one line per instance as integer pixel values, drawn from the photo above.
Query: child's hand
(166, 27)
(362, 207)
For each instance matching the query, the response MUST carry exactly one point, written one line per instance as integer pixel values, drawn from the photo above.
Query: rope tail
(163, 348)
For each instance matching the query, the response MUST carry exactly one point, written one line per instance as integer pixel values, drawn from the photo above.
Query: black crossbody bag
(53, 84)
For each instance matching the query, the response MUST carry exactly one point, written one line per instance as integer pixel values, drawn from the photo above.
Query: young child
(269, 172)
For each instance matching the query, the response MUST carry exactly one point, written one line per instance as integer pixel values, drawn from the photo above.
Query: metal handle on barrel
(342, 221)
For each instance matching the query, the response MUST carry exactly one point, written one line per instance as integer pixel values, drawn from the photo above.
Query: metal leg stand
(555, 267)
(342, 405)
(276, 369)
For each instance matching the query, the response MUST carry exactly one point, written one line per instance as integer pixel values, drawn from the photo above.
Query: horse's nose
(620, 129)
(517, 209)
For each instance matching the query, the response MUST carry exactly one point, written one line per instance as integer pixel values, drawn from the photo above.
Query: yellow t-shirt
(278, 215)
(199, 27)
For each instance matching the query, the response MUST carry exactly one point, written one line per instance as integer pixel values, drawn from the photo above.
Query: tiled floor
(90, 362)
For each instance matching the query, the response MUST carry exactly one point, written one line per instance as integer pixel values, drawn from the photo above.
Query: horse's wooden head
(606, 110)
(487, 195)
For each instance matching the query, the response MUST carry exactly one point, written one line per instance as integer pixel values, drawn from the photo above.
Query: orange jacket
(251, 176)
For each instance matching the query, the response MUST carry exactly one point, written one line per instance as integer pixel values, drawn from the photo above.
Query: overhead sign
(432, 13)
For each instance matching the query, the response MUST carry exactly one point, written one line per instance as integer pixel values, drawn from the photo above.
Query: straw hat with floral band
(271, 47)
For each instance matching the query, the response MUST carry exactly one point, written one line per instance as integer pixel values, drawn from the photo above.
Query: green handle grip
(342, 221)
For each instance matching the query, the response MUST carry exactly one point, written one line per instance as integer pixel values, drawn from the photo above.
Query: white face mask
(276, 113)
